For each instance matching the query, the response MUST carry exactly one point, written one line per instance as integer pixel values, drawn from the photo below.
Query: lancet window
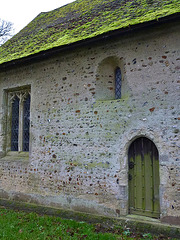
(118, 80)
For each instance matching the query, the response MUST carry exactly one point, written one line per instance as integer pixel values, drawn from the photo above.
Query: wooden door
(143, 162)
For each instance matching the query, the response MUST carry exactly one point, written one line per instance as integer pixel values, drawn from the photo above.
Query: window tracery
(19, 105)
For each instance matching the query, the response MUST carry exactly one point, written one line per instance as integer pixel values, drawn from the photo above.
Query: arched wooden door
(143, 159)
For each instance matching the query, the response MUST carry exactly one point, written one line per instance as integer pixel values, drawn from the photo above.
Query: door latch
(130, 177)
(131, 165)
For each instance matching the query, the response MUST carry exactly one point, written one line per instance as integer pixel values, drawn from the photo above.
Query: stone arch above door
(143, 167)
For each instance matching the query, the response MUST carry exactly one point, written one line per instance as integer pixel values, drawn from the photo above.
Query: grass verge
(23, 225)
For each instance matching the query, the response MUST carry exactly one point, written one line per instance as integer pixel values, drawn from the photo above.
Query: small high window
(110, 84)
(20, 120)
(118, 82)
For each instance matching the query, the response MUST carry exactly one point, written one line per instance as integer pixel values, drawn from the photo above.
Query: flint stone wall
(80, 135)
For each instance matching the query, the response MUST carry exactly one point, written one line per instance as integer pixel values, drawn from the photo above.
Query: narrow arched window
(26, 121)
(15, 124)
(118, 82)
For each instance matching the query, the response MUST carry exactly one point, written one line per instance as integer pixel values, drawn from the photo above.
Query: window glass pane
(118, 83)
(15, 124)
(26, 121)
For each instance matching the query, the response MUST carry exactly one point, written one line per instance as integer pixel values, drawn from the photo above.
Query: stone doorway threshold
(132, 222)
(152, 225)
(143, 218)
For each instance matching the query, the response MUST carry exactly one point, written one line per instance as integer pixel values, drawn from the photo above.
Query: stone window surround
(106, 79)
(10, 94)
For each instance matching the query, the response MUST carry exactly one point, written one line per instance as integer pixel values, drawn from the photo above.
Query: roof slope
(80, 20)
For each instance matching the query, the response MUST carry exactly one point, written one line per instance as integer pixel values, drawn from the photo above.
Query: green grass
(23, 225)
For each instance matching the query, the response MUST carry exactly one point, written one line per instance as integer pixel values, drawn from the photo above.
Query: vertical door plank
(131, 185)
(138, 183)
(156, 182)
(148, 183)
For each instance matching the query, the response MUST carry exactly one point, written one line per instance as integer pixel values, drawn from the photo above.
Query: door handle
(130, 177)
(131, 165)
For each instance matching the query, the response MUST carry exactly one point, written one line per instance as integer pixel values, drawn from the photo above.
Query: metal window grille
(118, 80)
(26, 121)
(15, 124)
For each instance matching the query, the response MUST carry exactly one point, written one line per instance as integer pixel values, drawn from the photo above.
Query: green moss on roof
(80, 20)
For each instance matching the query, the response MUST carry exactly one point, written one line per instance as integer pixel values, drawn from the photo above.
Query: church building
(89, 109)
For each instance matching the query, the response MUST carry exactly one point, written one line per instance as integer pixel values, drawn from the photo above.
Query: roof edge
(114, 33)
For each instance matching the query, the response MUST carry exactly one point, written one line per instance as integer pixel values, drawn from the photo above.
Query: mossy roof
(81, 20)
